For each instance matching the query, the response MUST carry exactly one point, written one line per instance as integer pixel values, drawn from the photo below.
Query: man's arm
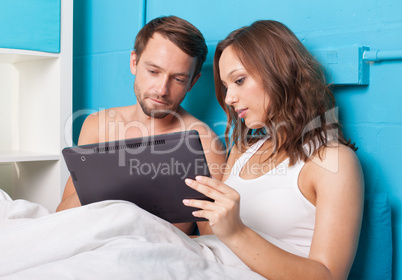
(89, 135)
(70, 197)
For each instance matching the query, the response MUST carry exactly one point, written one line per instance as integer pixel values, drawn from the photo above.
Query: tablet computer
(148, 171)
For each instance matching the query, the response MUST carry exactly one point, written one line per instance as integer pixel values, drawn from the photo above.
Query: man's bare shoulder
(123, 113)
(90, 130)
(100, 125)
(207, 135)
(214, 149)
(192, 123)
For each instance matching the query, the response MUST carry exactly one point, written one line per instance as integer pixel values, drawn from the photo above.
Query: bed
(118, 240)
(106, 240)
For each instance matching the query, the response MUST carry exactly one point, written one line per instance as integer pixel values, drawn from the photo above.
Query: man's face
(164, 74)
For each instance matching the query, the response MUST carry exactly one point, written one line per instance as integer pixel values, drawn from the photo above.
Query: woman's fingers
(208, 210)
(212, 188)
(223, 212)
(207, 190)
(225, 199)
(198, 203)
(216, 184)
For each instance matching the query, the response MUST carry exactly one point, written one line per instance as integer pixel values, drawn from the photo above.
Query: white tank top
(273, 205)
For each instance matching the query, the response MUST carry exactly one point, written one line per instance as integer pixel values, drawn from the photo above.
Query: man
(167, 59)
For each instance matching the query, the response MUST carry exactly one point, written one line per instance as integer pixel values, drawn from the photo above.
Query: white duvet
(106, 240)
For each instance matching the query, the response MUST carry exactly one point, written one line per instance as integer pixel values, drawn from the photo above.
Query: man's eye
(180, 80)
(240, 81)
(152, 71)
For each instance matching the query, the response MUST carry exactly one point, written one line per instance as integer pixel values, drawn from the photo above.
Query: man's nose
(163, 86)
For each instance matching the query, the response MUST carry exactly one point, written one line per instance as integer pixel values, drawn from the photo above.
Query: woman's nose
(231, 97)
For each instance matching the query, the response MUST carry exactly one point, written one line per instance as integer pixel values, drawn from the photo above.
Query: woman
(290, 203)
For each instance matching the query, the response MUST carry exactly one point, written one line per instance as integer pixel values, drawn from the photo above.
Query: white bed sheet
(106, 240)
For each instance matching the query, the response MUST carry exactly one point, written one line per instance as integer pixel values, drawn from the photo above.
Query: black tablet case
(148, 171)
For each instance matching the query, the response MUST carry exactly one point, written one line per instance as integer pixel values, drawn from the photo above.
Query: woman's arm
(338, 184)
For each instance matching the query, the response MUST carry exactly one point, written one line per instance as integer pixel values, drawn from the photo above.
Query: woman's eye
(240, 81)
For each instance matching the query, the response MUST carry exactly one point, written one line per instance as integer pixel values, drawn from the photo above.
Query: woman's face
(244, 93)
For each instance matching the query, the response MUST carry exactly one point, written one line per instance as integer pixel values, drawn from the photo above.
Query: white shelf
(35, 109)
(16, 56)
(22, 156)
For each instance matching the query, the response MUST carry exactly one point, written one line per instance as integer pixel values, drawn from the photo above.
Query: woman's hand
(223, 213)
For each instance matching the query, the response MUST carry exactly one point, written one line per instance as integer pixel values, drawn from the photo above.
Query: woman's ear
(133, 62)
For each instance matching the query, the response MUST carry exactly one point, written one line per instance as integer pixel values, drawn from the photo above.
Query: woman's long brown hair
(301, 116)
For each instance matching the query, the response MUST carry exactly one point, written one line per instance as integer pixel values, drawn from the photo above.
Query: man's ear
(133, 62)
(195, 79)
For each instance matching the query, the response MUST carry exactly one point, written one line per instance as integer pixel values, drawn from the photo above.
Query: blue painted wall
(104, 33)
(103, 38)
(30, 25)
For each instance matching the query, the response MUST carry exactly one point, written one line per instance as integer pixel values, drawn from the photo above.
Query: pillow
(374, 253)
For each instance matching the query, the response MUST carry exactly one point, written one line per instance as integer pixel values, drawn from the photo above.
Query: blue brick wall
(103, 37)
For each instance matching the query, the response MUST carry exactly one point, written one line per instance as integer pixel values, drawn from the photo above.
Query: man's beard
(154, 113)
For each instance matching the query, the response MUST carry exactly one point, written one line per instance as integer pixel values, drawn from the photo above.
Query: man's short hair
(180, 32)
